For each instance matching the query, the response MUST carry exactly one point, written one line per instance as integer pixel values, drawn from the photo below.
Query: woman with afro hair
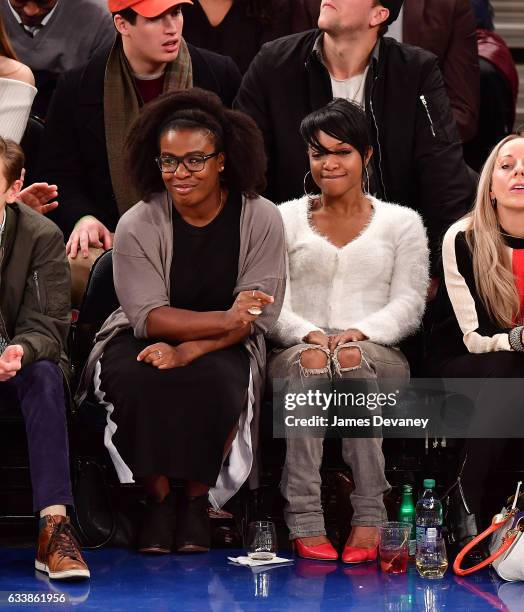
(199, 269)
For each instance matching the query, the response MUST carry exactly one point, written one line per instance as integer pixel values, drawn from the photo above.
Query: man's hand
(11, 362)
(317, 337)
(88, 232)
(164, 356)
(38, 195)
(350, 335)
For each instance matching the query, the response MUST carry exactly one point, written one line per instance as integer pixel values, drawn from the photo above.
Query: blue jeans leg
(40, 390)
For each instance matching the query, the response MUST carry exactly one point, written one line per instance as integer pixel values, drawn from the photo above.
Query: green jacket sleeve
(44, 318)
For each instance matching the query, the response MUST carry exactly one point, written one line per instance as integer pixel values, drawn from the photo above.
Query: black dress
(176, 422)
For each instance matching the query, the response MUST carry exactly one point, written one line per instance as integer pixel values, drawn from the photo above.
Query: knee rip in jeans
(347, 358)
(313, 361)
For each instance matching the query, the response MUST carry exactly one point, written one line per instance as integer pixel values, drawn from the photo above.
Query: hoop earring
(365, 180)
(494, 202)
(308, 194)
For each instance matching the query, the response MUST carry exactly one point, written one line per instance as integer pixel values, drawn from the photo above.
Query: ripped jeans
(300, 484)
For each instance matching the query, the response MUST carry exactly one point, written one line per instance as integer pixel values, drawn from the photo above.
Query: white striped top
(16, 99)
(480, 333)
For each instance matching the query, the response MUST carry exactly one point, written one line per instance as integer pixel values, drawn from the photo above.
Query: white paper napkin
(248, 562)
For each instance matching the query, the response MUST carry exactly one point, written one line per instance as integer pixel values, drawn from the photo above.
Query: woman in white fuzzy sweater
(357, 282)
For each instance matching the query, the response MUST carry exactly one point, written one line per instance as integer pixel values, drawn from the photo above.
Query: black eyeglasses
(193, 162)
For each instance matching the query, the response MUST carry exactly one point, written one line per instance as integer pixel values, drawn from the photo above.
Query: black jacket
(417, 158)
(35, 287)
(74, 154)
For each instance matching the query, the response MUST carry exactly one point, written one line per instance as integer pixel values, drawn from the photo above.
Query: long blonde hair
(492, 266)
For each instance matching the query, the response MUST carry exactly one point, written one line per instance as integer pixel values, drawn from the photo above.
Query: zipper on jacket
(2, 321)
(378, 139)
(425, 105)
(37, 287)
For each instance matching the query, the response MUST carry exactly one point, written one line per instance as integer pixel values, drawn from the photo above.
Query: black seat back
(30, 143)
(100, 298)
(99, 301)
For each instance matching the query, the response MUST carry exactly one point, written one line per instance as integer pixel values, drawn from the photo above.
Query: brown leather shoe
(58, 553)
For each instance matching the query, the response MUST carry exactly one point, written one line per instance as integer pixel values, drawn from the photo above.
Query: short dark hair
(13, 159)
(340, 119)
(235, 134)
(128, 14)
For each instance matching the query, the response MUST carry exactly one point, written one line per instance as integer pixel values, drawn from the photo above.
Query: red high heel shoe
(352, 554)
(320, 552)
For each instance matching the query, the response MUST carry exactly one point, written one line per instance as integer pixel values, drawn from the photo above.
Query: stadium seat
(30, 144)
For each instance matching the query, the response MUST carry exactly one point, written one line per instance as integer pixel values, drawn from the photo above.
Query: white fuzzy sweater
(376, 283)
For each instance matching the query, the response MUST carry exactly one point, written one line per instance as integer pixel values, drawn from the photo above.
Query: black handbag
(93, 514)
(101, 515)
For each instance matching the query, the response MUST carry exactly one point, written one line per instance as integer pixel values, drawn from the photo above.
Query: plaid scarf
(122, 105)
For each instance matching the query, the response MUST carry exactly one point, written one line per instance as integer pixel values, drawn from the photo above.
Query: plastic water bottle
(406, 514)
(431, 558)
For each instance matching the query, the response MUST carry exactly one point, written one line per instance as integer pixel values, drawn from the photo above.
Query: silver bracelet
(515, 339)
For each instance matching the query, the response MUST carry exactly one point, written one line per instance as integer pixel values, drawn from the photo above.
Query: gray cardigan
(142, 253)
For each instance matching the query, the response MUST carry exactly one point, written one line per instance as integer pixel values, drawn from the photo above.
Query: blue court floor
(124, 580)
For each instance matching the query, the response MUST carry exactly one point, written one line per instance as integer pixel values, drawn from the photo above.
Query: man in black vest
(44, 38)
(93, 108)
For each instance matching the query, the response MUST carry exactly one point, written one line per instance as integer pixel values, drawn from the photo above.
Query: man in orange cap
(94, 107)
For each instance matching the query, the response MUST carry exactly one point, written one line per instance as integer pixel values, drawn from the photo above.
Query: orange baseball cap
(146, 8)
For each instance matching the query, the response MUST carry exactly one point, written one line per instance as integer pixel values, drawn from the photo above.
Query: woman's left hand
(350, 335)
(164, 356)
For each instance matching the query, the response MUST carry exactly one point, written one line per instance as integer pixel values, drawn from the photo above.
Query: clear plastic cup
(394, 547)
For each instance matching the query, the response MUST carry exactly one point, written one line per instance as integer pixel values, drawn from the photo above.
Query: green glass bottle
(406, 514)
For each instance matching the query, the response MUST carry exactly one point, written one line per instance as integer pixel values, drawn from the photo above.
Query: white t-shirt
(352, 89)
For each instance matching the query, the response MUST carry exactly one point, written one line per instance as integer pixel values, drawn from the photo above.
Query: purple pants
(39, 388)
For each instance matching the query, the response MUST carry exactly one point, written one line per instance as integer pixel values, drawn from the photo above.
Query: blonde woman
(483, 259)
